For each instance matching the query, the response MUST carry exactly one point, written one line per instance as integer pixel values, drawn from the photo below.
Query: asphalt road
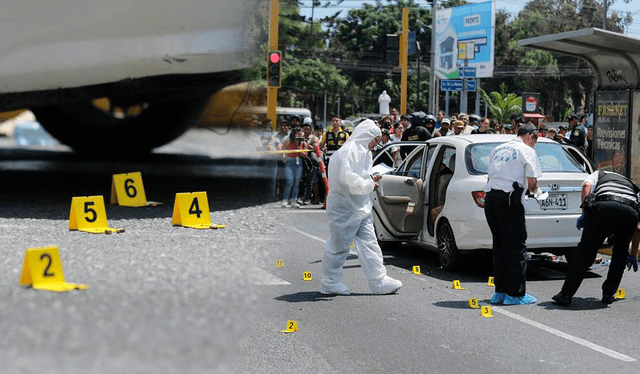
(178, 300)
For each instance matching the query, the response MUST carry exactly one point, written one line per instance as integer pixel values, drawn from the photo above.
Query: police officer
(416, 131)
(334, 139)
(610, 207)
(578, 134)
(512, 167)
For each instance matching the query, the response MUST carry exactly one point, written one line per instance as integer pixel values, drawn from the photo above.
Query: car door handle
(409, 182)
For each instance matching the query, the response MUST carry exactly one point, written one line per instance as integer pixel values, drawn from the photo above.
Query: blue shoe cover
(520, 300)
(498, 298)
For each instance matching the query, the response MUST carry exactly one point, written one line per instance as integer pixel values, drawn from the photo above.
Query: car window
(551, 156)
(412, 166)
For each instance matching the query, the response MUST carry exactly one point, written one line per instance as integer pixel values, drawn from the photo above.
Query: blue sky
(511, 6)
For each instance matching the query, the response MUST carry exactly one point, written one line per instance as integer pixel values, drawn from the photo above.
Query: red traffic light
(274, 58)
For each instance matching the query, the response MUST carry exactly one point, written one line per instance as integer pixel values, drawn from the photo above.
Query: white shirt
(511, 162)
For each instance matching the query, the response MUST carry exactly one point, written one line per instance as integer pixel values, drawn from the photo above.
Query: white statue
(384, 99)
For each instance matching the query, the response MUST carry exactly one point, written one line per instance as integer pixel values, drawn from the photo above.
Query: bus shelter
(615, 60)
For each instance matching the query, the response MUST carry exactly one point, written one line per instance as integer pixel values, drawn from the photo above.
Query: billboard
(465, 38)
(611, 131)
(635, 139)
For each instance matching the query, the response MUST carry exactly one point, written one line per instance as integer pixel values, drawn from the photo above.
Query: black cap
(572, 117)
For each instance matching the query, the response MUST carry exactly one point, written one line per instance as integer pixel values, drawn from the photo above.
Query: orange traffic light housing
(274, 69)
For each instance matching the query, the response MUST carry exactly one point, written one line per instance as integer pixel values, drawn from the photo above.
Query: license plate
(554, 201)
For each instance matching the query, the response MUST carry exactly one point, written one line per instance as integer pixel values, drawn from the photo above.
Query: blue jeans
(292, 175)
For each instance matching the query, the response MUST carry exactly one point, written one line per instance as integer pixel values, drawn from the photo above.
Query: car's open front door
(400, 197)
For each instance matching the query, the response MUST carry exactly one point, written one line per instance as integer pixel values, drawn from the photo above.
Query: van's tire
(90, 130)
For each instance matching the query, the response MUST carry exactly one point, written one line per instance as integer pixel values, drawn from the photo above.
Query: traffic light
(274, 68)
(392, 51)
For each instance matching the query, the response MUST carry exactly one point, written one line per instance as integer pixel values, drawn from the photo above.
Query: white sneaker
(335, 289)
(284, 204)
(384, 286)
(295, 205)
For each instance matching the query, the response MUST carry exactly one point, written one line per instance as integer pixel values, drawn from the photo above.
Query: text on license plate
(554, 201)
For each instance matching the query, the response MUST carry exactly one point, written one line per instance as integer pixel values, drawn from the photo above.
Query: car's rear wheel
(447, 250)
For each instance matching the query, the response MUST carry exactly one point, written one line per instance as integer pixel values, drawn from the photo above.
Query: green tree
(502, 105)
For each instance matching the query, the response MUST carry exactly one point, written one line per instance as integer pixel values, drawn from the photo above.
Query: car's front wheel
(93, 129)
(447, 250)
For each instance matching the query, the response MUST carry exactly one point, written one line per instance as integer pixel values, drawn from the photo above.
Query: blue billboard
(465, 39)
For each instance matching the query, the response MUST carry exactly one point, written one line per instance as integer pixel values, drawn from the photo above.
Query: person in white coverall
(350, 217)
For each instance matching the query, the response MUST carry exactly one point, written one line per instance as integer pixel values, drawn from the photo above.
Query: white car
(152, 64)
(435, 198)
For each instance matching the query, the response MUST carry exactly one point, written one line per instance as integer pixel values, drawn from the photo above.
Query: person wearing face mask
(349, 208)
(268, 140)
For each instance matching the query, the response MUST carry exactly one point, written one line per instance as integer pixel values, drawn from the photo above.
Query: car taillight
(478, 198)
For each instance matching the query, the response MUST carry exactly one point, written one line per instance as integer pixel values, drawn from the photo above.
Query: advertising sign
(611, 130)
(465, 38)
(530, 102)
(635, 139)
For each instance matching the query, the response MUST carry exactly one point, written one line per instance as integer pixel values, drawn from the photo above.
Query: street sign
(467, 72)
(456, 85)
(412, 43)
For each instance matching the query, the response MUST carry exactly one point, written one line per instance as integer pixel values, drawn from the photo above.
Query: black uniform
(615, 212)
(334, 142)
(414, 133)
(578, 137)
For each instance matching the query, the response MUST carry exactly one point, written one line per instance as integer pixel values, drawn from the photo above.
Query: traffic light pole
(272, 92)
(404, 57)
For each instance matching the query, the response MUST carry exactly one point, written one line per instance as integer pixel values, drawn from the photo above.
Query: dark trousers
(607, 218)
(506, 221)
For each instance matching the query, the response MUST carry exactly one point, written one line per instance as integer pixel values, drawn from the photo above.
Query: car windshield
(551, 156)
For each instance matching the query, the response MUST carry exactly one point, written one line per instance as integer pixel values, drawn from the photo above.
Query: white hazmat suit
(350, 217)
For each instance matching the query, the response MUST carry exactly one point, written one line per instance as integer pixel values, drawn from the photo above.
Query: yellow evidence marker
(457, 286)
(292, 326)
(620, 294)
(485, 311)
(88, 215)
(490, 282)
(42, 270)
(306, 275)
(416, 270)
(473, 303)
(279, 263)
(191, 209)
(128, 190)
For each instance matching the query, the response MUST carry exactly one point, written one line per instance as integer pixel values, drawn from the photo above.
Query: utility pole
(404, 57)
(272, 92)
(433, 90)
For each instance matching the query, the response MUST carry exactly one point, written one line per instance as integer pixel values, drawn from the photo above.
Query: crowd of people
(304, 146)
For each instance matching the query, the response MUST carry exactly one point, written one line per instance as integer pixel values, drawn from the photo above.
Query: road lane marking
(305, 210)
(351, 251)
(542, 327)
(260, 277)
(563, 335)
(305, 234)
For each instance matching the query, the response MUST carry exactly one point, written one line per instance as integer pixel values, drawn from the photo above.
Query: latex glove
(538, 195)
(632, 261)
(580, 222)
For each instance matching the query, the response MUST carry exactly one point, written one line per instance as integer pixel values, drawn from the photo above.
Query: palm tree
(502, 105)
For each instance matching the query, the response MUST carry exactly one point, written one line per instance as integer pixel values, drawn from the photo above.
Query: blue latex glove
(632, 261)
(580, 222)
